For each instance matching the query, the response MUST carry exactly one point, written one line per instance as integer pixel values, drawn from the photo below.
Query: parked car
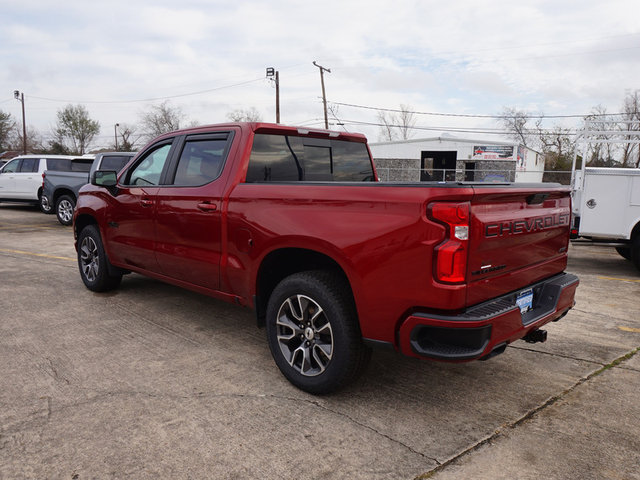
(21, 177)
(292, 222)
(60, 188)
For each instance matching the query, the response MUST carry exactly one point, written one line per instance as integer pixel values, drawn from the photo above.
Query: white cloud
(465, 56)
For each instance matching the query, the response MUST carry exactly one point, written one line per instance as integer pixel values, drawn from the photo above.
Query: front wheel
(313, 332)
(64, 209)
(93, 262)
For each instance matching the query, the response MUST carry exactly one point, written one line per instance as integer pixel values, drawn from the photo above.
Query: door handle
(207, 207)
(145, 202)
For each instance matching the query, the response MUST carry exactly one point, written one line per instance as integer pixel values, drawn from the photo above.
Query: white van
(21, 177)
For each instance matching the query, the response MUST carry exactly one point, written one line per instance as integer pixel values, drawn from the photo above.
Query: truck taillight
(451, 255)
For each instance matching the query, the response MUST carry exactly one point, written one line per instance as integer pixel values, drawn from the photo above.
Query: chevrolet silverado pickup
(293, 223)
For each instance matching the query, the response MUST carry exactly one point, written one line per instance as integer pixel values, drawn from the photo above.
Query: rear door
(518, 236)
(188, 215)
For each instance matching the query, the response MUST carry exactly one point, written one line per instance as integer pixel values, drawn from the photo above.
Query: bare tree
(7, 130)
(406, 120)
(74, 129)
(35, 142)
(397, 125)
(387, 133)
(159, 119)
(128, 139)
(515, 122)
(631, 151)
(245, 115)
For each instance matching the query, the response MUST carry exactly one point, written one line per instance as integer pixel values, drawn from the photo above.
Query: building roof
(448, 138)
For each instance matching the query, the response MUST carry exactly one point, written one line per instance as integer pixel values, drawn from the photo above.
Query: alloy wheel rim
(304, 335)
(65, 209)
(89, 259)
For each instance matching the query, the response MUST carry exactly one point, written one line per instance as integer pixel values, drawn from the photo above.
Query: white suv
(21, 177)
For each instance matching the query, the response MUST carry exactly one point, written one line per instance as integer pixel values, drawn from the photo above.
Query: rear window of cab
(284, 158)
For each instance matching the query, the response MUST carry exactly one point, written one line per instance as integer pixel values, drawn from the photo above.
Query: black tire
(44, 204)
(625, 252)
(64, 209)
(635, 251)
(93, 262)
(311, 315)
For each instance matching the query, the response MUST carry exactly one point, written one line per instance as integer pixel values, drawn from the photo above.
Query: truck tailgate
(518, 236)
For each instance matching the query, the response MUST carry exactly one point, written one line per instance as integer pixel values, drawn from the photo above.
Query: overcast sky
(209, 58)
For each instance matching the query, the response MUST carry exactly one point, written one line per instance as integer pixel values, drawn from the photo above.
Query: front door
(8, 179)
(28, 181)
(131, 223)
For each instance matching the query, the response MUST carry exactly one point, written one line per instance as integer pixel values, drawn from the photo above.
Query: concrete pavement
(152, 381)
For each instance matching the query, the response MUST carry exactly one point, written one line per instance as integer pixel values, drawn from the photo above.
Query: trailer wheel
(313, 332)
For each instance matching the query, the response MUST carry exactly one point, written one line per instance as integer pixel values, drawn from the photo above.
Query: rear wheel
(64, 209)
(624, 252)
(93, 262)
(45, 204)
(313, 332)
(635, 251)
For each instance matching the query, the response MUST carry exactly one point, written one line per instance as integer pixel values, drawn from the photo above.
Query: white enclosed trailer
(606, 201)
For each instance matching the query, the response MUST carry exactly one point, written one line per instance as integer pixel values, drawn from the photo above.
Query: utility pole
(270, 73)
(20, 97)
(324, 96)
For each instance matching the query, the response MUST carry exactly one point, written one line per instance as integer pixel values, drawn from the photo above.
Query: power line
(149, 99)
(487, 131)
(462, 115)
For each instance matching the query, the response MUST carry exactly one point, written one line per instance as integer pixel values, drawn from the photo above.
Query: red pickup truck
(293, 223)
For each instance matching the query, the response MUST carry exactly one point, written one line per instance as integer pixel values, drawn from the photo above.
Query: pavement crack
(528, 415)
(354, 421)
(55, 374)
(559, 355)
(598, 314)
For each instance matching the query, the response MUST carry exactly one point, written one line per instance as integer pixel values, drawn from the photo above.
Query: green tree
(75, 130)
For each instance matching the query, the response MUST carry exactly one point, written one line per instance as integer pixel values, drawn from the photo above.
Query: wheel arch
(283, 262)
(83, 220)
(63, 191)
(635, 231)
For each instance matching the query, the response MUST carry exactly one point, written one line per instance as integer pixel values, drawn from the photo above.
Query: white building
(451, 158)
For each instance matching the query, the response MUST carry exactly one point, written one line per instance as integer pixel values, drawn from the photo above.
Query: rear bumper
(486, 327)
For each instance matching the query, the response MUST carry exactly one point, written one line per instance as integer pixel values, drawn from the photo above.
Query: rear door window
(201, 160)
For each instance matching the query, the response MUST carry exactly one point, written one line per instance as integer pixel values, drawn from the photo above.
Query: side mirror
(104, 178)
